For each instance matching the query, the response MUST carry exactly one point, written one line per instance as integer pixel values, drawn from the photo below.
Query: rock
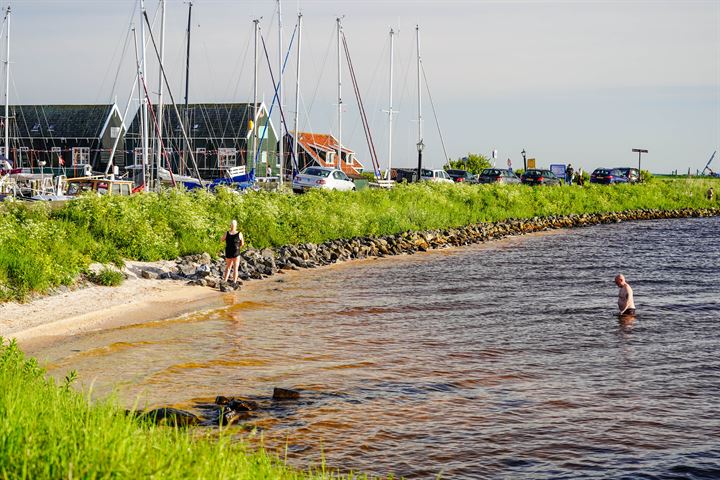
(171, 416)
(227, 287)
(242, 405)
(150, 275)
(212, 282)
(202, 271)
(204, 259)
(285, 394)
(187, 269)
(220, 400)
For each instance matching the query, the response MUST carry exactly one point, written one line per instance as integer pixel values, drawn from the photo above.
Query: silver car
(321, 177)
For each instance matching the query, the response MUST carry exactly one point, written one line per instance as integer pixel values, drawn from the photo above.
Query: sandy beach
(47, 319)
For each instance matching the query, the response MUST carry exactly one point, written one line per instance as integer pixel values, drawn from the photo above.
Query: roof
(208, 120)
(313, 143)
(61, 121)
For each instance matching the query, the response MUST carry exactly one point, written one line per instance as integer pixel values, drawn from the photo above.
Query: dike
(201, 270)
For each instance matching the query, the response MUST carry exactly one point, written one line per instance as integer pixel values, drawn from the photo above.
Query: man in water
(626, 302)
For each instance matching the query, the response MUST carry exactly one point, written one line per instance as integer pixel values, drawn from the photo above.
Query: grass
(107, 277)
(50, 431)
(42, 248)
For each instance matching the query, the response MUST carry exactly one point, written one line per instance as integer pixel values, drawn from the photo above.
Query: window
(114, 132)
(201, 157)
(81, 155)
(226, 157)
(35, 128)
(263, 157)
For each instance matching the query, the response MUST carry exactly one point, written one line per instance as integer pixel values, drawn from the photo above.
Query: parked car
(438, 176)
(462, 176)
(321, 177)
(536, 176)
(632, 174)
(607, 176)
(497, 175)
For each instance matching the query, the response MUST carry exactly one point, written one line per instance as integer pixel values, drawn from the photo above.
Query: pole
(255, 102)
(639, 156)
(419, 103)
(7, 87)
(186, 113)
(297, 89)
(281, 99)
(339, 75)
(145, 137)
(390, 108)
(160, 95)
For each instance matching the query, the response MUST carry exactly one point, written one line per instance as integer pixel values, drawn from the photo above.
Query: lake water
(497, 360)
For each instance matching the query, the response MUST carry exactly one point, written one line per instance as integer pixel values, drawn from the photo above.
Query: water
(497, 360)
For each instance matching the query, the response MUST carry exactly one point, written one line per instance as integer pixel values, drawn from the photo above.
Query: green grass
(107, 277)
(42, 248)
(51, 431)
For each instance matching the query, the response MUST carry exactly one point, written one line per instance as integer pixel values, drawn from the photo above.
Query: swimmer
(626, 302)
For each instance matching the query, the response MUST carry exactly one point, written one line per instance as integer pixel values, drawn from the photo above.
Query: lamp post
(420, 147)
(524, 154)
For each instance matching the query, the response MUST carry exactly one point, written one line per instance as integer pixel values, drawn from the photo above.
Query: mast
(390, 107)
(7, 86)
(419, 102)
(144, 100)
(339, 75)
(255, 102)
(280, 91)
(187, 85)
(160, 94)
(297, 88)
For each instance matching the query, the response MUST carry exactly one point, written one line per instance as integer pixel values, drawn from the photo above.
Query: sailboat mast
(297, 89)
(339, 76)
(144, 99)
(419, 102)
(390, 108)
(187, 85)
(280, 91)
(7, 86)
(255, 100)
(161, 87)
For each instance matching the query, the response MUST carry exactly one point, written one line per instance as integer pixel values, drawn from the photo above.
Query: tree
(473, 163)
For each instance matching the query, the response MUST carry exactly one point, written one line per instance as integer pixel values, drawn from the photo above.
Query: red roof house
(321, 149)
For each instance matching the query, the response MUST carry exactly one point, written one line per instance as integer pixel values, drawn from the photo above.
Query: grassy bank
(50, 431)
(41, 248)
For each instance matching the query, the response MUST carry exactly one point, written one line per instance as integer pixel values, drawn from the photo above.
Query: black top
(232, 245)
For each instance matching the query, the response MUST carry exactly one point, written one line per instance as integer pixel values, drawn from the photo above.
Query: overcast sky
(568, 81)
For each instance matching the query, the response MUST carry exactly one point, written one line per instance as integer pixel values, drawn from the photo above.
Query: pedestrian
(569, 174)
(234, 240)
(626, 301)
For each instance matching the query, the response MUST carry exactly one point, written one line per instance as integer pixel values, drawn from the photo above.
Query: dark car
(607, 176)
(461, 176)
(536, 176)
(632, 174)
(497, 175)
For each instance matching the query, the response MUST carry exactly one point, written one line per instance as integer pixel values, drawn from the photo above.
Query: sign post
(639, 151)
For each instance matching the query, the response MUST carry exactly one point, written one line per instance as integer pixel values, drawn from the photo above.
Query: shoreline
(178, 292)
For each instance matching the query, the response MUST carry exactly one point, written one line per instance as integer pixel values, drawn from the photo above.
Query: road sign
(531, 162)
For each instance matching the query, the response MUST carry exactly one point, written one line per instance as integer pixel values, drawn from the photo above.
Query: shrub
(107, 277)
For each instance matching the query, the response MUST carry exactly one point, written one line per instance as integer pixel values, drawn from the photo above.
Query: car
(632, 174)
(607, 176)
(461, 176)
(437, 176)
(497, 175)
(321, 177)
(537, 176)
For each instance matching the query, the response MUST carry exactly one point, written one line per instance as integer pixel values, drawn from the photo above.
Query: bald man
(626, 302)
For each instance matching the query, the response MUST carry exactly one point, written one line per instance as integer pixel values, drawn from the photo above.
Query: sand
(137, 300)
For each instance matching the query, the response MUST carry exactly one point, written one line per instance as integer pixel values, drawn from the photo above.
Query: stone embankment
(257, 264)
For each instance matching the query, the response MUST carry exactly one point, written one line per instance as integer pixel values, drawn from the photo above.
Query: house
(65, 137)
(321, 149)
(219, 135)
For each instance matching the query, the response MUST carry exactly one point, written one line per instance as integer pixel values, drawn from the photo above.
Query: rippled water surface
(498, 360)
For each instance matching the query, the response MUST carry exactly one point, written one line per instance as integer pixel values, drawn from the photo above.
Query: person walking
(626, 301)
(569, 171)
(234, 240)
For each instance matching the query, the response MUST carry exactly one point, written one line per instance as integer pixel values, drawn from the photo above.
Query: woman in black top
(233, 242)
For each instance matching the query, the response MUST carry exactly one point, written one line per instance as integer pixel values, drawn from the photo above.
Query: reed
(42, 248)
(50, 431)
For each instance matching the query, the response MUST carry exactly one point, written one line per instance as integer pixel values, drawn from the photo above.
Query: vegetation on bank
(51, 431)
(41, 248)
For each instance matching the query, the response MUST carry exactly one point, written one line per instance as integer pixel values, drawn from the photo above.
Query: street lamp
(524, 153)
(420, 147)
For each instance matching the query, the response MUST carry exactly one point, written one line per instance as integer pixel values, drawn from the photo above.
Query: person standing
(569, 171)
(234, 240)
(626, 301)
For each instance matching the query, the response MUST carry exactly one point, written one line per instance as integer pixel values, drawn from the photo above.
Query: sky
(581, 82)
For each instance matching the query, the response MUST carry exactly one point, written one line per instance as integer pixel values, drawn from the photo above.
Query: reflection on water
(504, 359)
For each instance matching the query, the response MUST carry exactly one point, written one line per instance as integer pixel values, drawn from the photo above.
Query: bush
(107, 277)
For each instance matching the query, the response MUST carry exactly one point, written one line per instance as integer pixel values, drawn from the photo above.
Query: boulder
(171, 416)
(285, 394)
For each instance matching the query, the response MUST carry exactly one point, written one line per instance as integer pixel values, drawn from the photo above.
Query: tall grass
(42, 248)
(50, 431)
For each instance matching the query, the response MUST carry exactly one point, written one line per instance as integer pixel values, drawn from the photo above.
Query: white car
(321, 177)
(438, 176)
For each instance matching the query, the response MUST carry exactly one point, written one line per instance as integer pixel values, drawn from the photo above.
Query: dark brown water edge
(501, 359)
